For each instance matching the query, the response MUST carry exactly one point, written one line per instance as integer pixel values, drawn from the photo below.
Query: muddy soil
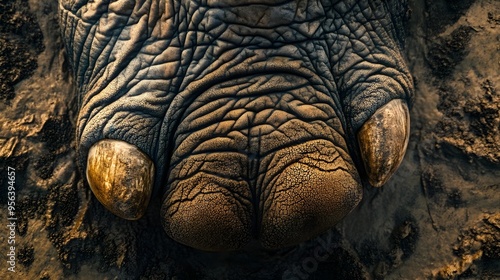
(437, 218)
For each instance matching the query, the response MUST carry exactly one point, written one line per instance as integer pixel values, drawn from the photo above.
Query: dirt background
(437, 218)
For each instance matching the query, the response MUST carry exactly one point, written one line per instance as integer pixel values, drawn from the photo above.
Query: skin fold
(250, 120)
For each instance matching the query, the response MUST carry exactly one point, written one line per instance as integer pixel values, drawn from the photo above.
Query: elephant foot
(251, 121)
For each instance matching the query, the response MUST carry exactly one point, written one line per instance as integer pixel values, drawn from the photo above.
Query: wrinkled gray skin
(248, 109)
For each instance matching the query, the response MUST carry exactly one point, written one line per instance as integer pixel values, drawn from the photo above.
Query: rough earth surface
(437, 218)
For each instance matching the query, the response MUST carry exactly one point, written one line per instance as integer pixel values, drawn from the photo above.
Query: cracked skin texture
(248, 109)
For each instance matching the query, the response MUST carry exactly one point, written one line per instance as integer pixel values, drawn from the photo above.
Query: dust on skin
(437, 218)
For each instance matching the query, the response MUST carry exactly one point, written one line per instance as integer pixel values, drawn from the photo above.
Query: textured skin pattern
(248, 109)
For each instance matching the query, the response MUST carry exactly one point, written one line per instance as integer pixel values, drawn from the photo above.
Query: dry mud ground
(438, 218)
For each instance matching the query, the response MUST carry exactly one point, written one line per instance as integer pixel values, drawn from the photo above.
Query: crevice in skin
(184, 198)
(253, 156)
(191, 175)
(306, 154)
